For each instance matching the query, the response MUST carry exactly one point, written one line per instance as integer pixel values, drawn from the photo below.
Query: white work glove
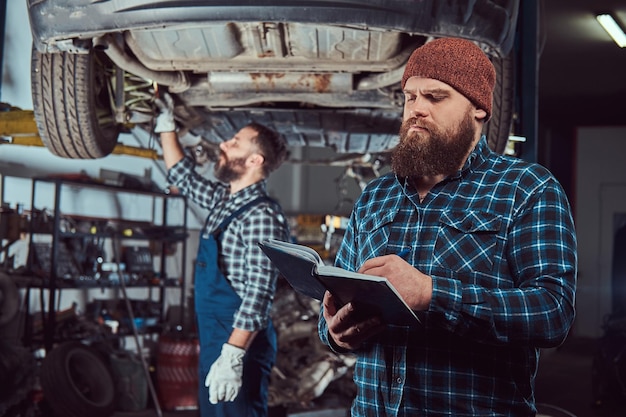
(165, 119)
(224, 377)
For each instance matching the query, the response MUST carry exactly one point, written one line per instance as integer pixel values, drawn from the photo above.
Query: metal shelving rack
(157, 229)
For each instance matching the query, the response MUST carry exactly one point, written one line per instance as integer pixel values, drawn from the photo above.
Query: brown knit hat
(458, 63)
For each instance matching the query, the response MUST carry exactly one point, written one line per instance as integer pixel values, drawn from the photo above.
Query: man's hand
(415, 287)
(349, 326)
(224, 377)
(165, 119)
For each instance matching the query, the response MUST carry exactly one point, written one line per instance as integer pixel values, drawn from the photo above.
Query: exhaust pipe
(176, 81)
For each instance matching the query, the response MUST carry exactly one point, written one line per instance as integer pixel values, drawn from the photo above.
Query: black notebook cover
(309, 276)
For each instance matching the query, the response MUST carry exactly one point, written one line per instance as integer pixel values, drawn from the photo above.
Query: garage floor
(563, 387)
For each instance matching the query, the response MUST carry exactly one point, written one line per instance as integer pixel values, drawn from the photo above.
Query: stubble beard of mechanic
(227, 170)
(435, 152)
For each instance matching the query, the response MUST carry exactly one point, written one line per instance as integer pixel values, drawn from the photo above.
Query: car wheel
(72, 103)
(76, 382)
(498, 128)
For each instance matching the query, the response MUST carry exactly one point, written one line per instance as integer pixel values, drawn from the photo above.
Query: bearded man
(234, 281)
(487, 256)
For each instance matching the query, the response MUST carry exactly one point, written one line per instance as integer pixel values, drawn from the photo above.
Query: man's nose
(417, 108)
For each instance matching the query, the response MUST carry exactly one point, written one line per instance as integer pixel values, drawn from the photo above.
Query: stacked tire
(77, 382)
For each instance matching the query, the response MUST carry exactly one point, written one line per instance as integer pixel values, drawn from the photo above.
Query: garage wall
(600, 209)
(16, 60)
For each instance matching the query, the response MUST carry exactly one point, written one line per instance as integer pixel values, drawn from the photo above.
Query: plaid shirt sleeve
(252, 273)
(540, 251)
(194, 186)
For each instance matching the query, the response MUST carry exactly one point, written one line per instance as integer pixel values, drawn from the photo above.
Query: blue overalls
(215, 305)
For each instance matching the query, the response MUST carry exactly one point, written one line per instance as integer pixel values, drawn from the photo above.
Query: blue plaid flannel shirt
(245, 266)
(498, 240)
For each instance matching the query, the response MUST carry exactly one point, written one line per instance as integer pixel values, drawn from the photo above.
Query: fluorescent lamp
(610, 25)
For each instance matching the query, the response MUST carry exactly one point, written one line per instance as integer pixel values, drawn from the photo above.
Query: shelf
(90, 282)
(88, 235)
(166, 234)
(97, 185)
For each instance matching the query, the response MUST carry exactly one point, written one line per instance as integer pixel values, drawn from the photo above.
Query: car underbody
(321, 73)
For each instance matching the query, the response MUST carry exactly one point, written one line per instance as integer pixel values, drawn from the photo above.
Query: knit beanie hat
(459, 63)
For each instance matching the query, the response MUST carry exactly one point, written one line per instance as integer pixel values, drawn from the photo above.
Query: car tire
(498, 128)
(72, 103)
(76, 382)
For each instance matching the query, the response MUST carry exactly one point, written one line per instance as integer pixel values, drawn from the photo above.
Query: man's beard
(229, 170)
(432, 153)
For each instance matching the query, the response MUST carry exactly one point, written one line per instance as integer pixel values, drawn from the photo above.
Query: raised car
(322, 73)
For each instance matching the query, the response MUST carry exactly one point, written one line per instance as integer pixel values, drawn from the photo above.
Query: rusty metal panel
(233, 82)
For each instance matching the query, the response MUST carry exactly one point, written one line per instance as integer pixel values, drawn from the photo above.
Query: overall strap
(224, 224)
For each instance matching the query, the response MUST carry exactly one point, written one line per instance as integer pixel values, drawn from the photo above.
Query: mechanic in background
(234, 280)
(491, 264)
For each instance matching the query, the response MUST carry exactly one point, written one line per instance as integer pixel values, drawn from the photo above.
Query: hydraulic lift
(18, 127)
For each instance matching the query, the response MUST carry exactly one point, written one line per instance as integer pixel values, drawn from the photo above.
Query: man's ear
(256, 159)
(480, 114)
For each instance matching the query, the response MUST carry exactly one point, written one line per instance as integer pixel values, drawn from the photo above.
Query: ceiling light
(610, 25)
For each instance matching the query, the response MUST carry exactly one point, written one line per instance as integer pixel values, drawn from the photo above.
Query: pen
(404, 252)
